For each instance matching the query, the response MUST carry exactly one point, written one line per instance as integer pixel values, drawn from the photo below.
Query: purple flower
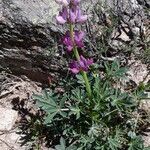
(81, 18)
(78, 40)
(62, 17)
(81, 65)
(75, 16)
(67, 41)
(70, 15)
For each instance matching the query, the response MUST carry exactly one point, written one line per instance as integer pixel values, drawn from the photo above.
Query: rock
(147, 140)
(138, 72)
(11, 141)
(130, 26)
(27, 23)
(7, 119)
(29, 33)
(145, 3)
(15, 90)
(27, 37)
(127, 24)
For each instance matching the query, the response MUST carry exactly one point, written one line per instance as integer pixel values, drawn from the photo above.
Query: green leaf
(63, 114)
(47, 101)
(62, 145)
(113, 143)
(78, 95)
(49, 117)
(62, 101)
(136, 144)
(114, 70)
(80, 79)
(147, 148)
(76, 111)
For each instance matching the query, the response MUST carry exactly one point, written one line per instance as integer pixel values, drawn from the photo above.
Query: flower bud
(63, 16)
(81, 65)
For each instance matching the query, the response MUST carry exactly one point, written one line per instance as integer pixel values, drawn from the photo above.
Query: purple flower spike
(81, 18)
(67, 41)
(63, 2)
(62, 17)
(78, 37)
(82, 65)
(72, 16)
(85, 63)
(76, 16)
(74, 67)
(78, 40)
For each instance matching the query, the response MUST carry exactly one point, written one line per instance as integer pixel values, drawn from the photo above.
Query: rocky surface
(28, 33)
(138, 72)
(15, 96)
(27, 36)
(10, 141)
(7, 118)
(18, 113)
(130, 22)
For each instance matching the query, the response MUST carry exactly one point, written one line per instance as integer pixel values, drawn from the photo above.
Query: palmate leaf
(147, 148)
(115, 141)
(62, 145)
(121, 100)
(114, 70)
(80, 79)
(76, 111)
(136, 144)
(48, 119)
(113, 144)
(47, 102)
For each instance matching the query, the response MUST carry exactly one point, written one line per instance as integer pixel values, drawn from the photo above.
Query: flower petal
(60, 20)
(72, 16)
(89, 61)
(82, 19)
(79, 38)
(69, 48)
(74, 70)
(74, 67)
(81, 35)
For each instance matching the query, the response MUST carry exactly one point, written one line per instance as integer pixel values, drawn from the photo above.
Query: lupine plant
(73, 39)
(92, 113)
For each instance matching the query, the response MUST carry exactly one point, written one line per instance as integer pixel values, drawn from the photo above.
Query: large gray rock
(27, 36)
(27, 22)
(130, 21)
(8, 118)
(28, 33)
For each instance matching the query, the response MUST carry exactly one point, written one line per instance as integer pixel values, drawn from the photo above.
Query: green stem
(87, 84)
(76, 53)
